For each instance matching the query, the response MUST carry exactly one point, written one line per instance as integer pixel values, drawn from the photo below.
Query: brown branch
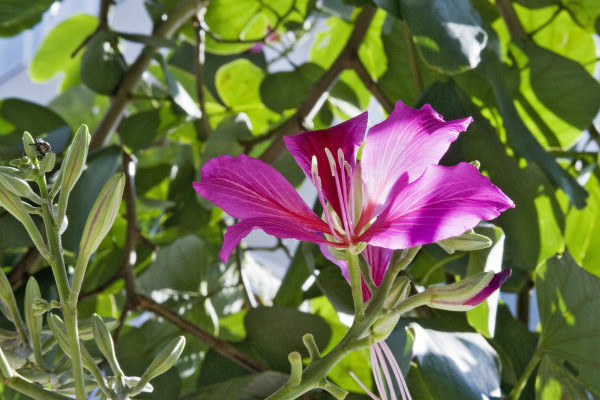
(318, 92)
(371, 85)
(25, 268)
(131, 237)
(181, 14)
(509, 15)
(199, 70)
(220, 346)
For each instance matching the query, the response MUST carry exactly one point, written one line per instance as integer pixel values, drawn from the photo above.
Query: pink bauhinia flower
(395, 196)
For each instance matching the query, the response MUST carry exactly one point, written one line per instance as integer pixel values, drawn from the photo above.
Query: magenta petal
(491, 287)
(245, 187)
(283, 228)
(398, 150)
(379, 259)
(444, 202)
(347, 136)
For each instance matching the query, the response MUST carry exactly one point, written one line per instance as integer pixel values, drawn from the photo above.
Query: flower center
(348, 186)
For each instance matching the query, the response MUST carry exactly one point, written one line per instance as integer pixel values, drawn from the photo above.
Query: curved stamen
(377, 372)
(397, 372)
(386, 372)
(317, 182)
(344, 200)
(335, 177)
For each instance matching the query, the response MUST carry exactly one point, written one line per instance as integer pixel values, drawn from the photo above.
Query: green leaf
(583, 229)
(290, 290)
(77, 104)
(140, 130)
(555, 383)
(181, 266)
(282, 91)
(576, 100)
(585, 12)
(568, 299)
(336, 288)
(102, 66)
(275, 341)
(235, 20)
(16, 15)
(54, 54)
(238, 85)
(225, 139)
(448, 33)
(464, 362)
(521, 139)
(101, 165)
(180, 96)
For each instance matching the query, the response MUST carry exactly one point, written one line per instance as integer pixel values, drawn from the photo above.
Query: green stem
(59, 270)
(316, 371)
(520, 385)
(355, 284)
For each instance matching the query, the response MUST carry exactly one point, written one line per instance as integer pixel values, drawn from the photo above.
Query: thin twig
(102, 25)
(220, 346)
(371, 85)
(318, 92)
(199, 69)
(180, 15)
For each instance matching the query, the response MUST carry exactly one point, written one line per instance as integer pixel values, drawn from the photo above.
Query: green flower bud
(15, 206)
(18, 187)
(398, 292)
(105, 344)
(85, 327)
(40, 307)
(383, 327)
(102, 215)
(467, 293)
(9, 302)
(33, 320)
(468, 241)
(163, 360)
(47, 163)
(57, 327)
(29, 146)
(71, 169)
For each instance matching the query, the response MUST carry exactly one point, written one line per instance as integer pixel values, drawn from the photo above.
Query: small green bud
(398, 292)
(105, 344)
(29, 146)
(40, 307)
(57, 327)
(85, 327)
(18, 187)
(102, 216)
(383, 327)
(466, 293)
(164, 360)
(32, 319)
(71, 169)
(475, 163)
(468, 241)
(47, 163)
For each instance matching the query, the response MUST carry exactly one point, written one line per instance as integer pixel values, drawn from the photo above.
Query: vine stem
(515, 393)
(31, 389)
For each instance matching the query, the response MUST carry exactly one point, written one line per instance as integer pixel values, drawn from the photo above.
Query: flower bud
(33, 320)
(57, 327)
(397, 293)
(102, 215)
(29, 146)
(47, 163)
(18, 187)
(164, 360)
(383, 327)
(10, 309)
(105, 344)
(71, 168)
(467, 293)
(468, 241)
